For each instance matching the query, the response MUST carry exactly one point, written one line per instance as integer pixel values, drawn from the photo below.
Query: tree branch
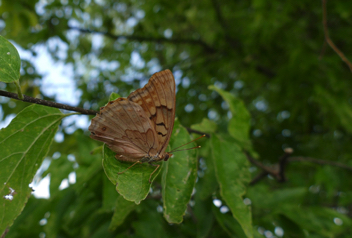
(234, 43)
(330, 42)
(318, 161)
(278, 170)
(148, 39)
(259, 177)
(282, 164)
(47, 103)
(267, 169)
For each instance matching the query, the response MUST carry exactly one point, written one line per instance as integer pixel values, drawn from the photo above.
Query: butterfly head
(167, 156)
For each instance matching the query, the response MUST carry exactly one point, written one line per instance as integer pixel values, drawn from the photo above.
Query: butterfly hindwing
(124, 126)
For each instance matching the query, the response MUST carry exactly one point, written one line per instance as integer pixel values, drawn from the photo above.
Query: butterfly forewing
(141, 125)
(158, 100)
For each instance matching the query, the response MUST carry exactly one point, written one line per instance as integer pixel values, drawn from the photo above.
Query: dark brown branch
(278, 170)
(5, 232)
(321, 162)
(47, 103)
(147, 39)
(330, 42)
(259, 177)
(282, 164)
(233, 43)
(268, 72)
(268, 169)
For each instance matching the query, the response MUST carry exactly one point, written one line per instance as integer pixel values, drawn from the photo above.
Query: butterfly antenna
(196, 147)
(130, 167)
(175, 149)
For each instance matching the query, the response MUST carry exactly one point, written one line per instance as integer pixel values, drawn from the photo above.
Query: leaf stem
(19, 91)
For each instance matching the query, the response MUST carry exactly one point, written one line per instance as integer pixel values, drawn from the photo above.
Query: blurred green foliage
(270, 56)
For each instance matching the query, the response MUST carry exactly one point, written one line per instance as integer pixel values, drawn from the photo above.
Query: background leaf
(122, 209)
(239, 123)
(231, 169)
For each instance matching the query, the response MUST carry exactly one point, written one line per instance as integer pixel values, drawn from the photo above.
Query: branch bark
(278, 170)
(47, 103)
(329, 41)
(318, 161)
(147, 39)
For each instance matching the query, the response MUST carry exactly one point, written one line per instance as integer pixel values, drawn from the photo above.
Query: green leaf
(206, 126)
(150, 224)
(232, 172)
(10, 62)
(179, 176)
(239, 124)
(133, 184)
(113, 96)
(109, 195)
(122, 209)
(23, 146)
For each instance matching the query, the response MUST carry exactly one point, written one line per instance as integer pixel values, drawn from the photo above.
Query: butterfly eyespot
(104, 128)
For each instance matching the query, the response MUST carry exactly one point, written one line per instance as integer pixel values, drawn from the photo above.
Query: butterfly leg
(157, 166)
(130, 167)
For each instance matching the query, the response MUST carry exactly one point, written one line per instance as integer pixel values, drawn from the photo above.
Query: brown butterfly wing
(158, 100)
(125, 127)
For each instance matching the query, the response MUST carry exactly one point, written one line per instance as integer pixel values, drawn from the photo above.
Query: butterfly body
(138, 128)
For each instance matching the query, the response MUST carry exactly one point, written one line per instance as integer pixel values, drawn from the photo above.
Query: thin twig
(219, 15)
(318, 161)
(147, 39)
(278, 170)
(330, 42)
(259, 177)
(268, 169)
(282, 164)
(47, 103)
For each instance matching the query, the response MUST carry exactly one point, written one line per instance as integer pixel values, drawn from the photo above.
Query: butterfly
(138, 128)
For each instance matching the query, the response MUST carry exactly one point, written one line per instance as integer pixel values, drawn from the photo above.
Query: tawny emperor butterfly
(138, 128)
